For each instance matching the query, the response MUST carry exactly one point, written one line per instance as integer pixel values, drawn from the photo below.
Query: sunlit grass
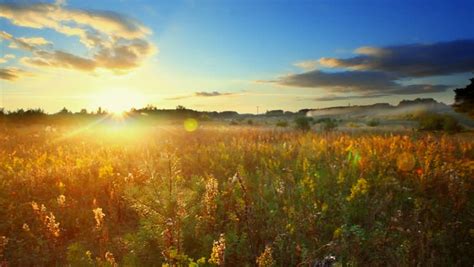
(119, 192)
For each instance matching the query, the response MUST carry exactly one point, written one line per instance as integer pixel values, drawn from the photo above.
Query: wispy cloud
(115, 41)
(11, 74)
(307, 65)
(29, 44)
(6, 58)
(202, 94)
(332, 97)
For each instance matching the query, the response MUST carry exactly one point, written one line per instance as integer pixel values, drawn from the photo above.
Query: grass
(234, 196)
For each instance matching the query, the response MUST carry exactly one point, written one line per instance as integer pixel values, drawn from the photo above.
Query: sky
(232, 55)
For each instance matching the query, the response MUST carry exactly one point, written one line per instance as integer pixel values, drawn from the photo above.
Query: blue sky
(227, 46)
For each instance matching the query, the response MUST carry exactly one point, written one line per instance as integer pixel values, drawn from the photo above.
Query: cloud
(307, 65)
(6, 58)
(60, 59)
(29, 44)
(214, 93)
(115, 41)
(362, 82)
(384, 71)
(56, 16)
(345, 81)
(201, 94)
(332, 97)
(11, 74)
(412, 60)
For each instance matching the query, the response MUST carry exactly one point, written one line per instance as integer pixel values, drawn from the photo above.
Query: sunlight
(119, 100)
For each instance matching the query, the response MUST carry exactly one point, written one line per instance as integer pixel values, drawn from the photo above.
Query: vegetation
(437, 122)
(234, 196)
(282, 124)
(327, 124)
(303, 123)
(373, 122)
(464, 99)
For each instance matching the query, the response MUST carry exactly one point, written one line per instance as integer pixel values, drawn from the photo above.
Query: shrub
(437, 122)
(373, 123)
(303, 123)
(282, 124)
(329, 125)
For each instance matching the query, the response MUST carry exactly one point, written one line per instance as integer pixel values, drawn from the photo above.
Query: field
(234, 196)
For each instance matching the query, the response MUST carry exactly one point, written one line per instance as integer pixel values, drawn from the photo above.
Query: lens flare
(406, 161)
(190, 125)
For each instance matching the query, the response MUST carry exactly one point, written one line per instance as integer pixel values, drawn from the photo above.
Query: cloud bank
(114, 41)
(379, 71)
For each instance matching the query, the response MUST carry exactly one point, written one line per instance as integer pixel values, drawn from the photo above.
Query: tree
(464, 99)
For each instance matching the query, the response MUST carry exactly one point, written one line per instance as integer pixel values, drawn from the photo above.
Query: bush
(373, 123)
(282, 124)
(250, 122)
(329, 125)
(437, 122)
(303, 123)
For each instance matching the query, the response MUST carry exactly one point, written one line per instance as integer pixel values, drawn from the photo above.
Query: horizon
(178, 107)
(240, 54)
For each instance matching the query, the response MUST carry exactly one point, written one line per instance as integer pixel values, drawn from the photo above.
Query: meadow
(234, 196)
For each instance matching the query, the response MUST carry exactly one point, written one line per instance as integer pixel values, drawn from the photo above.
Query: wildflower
(61, 200)
(98, 216)
(218, 251)
(210, 196)
(3, 244)
(266, 258)
(34, 206)
(89, 255)
(26, 227)
(109, 257)
(48, 220)
(52, 225)
(360, 188)
(337, 233)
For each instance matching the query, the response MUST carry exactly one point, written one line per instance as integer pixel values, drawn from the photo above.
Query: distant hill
(405, 107)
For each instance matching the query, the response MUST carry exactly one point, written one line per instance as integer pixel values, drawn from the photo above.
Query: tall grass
(235, 196)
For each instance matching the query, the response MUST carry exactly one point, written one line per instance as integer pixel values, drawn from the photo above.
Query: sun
(119, 100)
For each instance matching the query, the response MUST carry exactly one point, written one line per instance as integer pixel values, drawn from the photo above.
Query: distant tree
(64, 111)
(83, 111)
(464, 99)
(303, 123)
(180, 107)
(438, 122)
(277, 112)
(100, 111)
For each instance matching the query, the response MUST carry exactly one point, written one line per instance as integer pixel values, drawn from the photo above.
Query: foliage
(373, 122)
(328, 124)
(239, 196)
(464, 99)
(282, 124)
(437, 122)
(303, 123)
